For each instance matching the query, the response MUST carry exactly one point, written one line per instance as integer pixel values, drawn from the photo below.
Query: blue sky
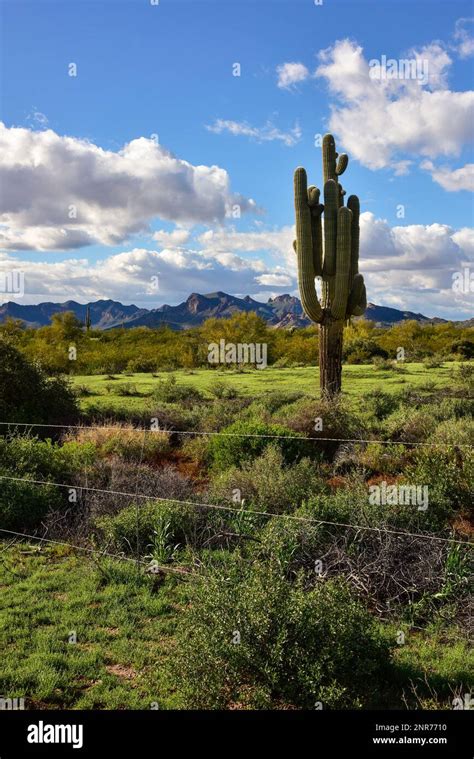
(159, 78)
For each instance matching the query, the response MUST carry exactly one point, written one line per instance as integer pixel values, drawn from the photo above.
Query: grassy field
(124, 629)
(80, 630)
(357, 381)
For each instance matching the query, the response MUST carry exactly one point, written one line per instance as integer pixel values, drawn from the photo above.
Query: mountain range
(282, 311)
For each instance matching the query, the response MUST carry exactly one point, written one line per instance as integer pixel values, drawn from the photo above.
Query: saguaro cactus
(336, 261)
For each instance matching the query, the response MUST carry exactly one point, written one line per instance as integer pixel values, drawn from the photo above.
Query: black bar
(155, 733)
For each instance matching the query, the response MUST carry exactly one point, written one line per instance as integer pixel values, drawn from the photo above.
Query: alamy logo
(463, 281)
(12, 704)
(405, 68)
(238, 353)
(12, 283)
(42, 733)
(399, 495)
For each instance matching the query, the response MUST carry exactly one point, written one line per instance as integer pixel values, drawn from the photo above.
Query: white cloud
(174, 239)
(267, 133)
(408, 267)
(61, 193)
(290, 74)
(129, 276)
(452, 180)
(464, 38)
(380, 121)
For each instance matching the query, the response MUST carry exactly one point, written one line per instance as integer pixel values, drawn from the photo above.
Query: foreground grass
(357, 381)
(125, 631)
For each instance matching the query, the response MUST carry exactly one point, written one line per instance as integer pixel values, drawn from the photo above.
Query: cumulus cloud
(463, 37)
(452, 180)
(268, 133)
(290, 74)
(380, 121)
(61, 193)
(131, 276)
(174, 239)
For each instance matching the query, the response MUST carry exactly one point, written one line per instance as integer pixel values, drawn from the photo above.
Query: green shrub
(448, 472)
(266, 483)
(410, 425)
(130, 444)
(43, 459)
(28, 395)
(243, 441)
(362, 351)
(381, 404)
(222, 390)
(252, 638)
(169, 391)
(435, 361)
(141, 523)
(23, 505)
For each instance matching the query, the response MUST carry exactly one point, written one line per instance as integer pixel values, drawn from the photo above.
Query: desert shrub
(294, 647)
(126, 389)
(409, 424)
(23, 504)
(44, 459)
(131, 444)
(435, 361)
(338, 422)
(223, 390)
(28, 395)
(245, 440)
(465, 348)
(452, 408)
(269, 403)
(448, 473)
(362, 351)
(266, 483)
(380, 404)
(220, 413)
(170, 391)
(464, 377)
(378, 458)
(454, 432)
(82, 391)
(136, 526)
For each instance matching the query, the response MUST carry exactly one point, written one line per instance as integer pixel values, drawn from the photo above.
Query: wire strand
(89, 550)
(219, 507)
(119, 428)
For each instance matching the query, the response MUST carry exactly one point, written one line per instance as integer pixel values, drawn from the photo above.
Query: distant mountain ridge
(283, 311)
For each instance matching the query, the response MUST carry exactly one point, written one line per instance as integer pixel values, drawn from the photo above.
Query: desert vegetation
(222, 539)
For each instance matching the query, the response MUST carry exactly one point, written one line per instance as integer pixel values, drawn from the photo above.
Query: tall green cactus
(343, 289)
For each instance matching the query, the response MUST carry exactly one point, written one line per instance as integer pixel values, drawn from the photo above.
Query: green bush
(266, 483)
(251, 638)
(170, 391)
(23, 505)
(28, 395)
(142, 523)
(44, 459)
(243, 441)
(222, 390)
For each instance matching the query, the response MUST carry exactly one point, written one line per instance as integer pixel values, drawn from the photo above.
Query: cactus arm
(343, 263)
(358, 298)
(329, 158)
(354, 205)
(304, 249)
(342, 162)
(316, 229)
(330, 227)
